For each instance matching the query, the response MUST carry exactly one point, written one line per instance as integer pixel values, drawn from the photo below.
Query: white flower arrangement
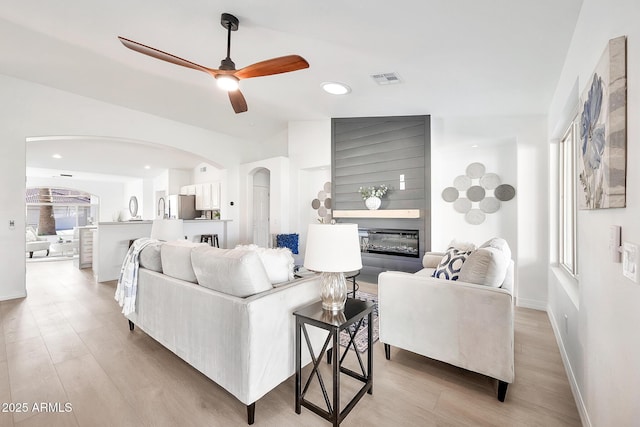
(372, 191)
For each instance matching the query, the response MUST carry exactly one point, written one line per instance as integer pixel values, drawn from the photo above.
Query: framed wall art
(603, 132)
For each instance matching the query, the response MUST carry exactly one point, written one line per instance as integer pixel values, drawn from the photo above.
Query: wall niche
(370, 151)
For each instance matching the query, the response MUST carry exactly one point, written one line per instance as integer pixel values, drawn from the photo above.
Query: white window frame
(567, 200)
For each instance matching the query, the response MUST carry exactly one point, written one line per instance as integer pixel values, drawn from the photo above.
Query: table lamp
(332, 249)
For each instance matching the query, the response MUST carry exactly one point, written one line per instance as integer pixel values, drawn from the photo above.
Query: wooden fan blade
(283, 64)
(237, 101)
(164, 56)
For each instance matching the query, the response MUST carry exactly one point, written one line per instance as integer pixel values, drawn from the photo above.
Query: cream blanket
(128, 282)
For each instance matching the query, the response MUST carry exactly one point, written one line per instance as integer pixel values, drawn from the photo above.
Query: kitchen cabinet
(207, 196)
(85, 246)
(188, 190)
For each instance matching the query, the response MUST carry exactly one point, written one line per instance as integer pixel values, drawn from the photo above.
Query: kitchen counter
(111, 241)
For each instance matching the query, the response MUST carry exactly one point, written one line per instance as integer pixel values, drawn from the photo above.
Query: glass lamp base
(333, 291)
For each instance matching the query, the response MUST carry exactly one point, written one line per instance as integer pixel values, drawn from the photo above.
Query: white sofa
(245, 344)
(468, 325)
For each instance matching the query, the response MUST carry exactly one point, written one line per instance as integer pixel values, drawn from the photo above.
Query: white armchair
(35, 242)
(468, 325)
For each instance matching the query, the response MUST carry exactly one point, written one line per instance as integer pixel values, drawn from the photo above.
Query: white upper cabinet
(207, 196)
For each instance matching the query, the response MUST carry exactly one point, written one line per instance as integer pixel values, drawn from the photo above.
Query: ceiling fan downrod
(229, 22)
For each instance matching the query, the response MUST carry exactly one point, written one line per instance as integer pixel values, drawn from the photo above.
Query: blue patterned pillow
(450, 264)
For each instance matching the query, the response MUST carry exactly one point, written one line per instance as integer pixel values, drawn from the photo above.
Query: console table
(334, 322)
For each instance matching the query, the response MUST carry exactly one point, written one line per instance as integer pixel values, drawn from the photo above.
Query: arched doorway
(261, 206)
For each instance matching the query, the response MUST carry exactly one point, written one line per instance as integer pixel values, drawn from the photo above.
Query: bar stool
(211, 239)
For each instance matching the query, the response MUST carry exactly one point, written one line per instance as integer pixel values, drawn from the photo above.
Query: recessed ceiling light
(147, 167)
(474, 146)
(335, 88)
(57, 156)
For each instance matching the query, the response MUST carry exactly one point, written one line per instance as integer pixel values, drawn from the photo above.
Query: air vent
(66, 175)
(386, 78)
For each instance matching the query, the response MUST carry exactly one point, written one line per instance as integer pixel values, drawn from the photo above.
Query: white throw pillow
(278, 262)
(236, 272)
(462, 246)
(176, 260)
(498, 243)
(488, 264)
(450, 264)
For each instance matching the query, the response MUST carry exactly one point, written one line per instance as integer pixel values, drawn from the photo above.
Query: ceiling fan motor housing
(227, 64)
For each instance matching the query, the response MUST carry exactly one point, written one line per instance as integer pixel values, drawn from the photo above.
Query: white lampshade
(333, 248)
(167, 230)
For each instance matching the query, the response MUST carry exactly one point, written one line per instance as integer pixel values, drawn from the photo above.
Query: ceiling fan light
(227, 82)
(336, 88)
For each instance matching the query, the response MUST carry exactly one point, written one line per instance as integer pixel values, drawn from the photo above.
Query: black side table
(352, 275)
(354, 313)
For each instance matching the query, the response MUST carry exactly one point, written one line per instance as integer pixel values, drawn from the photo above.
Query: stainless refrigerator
(182, 207)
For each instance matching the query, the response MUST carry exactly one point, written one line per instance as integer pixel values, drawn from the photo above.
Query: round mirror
(133, 206)
(161, 207)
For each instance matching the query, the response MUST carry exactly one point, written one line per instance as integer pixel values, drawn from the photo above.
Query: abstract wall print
(485, 190)
(602, 147)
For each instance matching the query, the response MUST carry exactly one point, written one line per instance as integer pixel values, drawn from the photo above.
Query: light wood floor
(68, 343)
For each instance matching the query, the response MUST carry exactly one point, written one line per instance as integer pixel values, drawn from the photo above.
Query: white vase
(372, 203)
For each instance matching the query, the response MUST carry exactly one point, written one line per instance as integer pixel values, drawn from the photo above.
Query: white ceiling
(456, 57)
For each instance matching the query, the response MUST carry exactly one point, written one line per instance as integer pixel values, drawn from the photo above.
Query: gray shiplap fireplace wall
(377, 150)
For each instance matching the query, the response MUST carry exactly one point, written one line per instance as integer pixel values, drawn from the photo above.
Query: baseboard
(582, 409)
(10, 297)
(531, 303)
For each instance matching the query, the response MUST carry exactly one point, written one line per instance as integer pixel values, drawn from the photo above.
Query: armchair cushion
(488, 264)
(432, 259)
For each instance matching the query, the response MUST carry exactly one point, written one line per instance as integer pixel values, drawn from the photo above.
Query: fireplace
(390, 241)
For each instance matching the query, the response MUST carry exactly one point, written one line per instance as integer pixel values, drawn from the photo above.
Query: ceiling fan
(227, 76)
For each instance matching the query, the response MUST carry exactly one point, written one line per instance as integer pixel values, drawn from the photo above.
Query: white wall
(517, 148)
(310, 157)
(30, 109)
(599, 341)
(499, 157)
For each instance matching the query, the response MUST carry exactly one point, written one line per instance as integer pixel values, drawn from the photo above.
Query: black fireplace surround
(390, 241)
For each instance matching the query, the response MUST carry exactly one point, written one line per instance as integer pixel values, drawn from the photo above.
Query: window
(51, 210)
(567, 203)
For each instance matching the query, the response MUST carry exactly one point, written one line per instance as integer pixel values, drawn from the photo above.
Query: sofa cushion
(278, 262)
(450, 264)
(488, 264)
(176, 259)
(150, 257)
(236, 272)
